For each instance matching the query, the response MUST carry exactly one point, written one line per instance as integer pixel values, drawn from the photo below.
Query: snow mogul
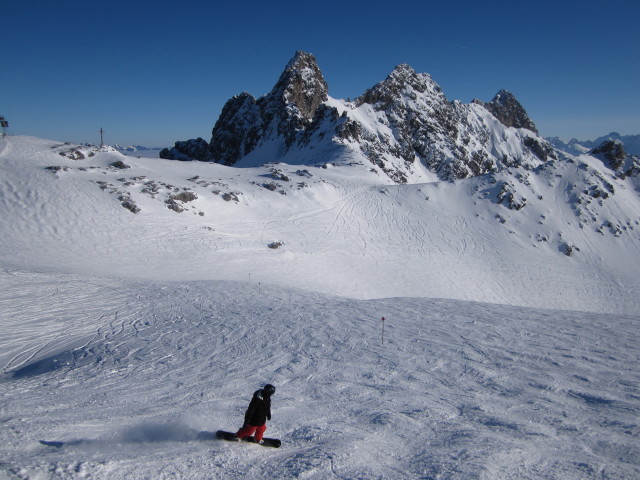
(256, 416)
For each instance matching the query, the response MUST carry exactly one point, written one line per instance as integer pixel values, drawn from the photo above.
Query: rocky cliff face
(283, 114)
(404, 126)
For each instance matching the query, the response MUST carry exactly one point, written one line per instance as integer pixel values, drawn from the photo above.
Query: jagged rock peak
(403, 78)
(302, 84)
(285, 112)
(403, 70)
(236, 130)
(506, 108)
(302, 60)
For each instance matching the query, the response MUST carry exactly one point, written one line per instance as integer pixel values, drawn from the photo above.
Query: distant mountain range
(134, 148)
(631, 143)
(139, 150)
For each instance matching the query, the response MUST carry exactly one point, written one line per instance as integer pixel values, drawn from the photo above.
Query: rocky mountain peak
(285, 112)
(402, 74)
(402, 81)
(506, 108)
(301, 85)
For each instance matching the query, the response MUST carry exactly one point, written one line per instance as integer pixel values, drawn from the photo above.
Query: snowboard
(71, 443)
(231, 437)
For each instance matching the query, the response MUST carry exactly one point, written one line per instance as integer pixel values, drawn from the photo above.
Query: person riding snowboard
(256, 416)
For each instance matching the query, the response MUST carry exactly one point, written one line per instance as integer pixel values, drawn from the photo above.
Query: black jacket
(259, 409)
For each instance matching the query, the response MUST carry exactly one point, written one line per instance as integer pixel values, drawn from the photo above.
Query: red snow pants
(249, 430)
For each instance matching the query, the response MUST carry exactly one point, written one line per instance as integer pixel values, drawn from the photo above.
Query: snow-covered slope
(562, 235)
(144, 300)
(458, 389)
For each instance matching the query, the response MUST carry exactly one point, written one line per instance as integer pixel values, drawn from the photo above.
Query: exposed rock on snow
(613, 152)
(120, 165)
(568, 249)
(231, 196)
(57, 168)
(80, 152)
(507, 197)
(183, 197)
(129, 204)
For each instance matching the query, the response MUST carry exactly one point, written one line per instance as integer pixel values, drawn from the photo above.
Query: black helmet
(269, 389)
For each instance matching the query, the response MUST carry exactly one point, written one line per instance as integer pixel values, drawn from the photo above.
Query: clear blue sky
(153, 72)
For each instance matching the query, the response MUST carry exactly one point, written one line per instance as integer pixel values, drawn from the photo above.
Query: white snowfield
(123, 335)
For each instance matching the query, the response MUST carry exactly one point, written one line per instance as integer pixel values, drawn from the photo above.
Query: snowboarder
(256, 416)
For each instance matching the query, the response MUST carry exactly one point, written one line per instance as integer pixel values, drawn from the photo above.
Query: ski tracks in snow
(457, 389)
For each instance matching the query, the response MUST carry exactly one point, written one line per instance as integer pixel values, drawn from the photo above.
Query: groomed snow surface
(124, 335)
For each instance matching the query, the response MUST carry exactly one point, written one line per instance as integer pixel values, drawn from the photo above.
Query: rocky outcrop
(418, 116)
(299, 92)
(612, 152)
(509, 111)
(613, 155)
(193, 149)
(540, 149)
